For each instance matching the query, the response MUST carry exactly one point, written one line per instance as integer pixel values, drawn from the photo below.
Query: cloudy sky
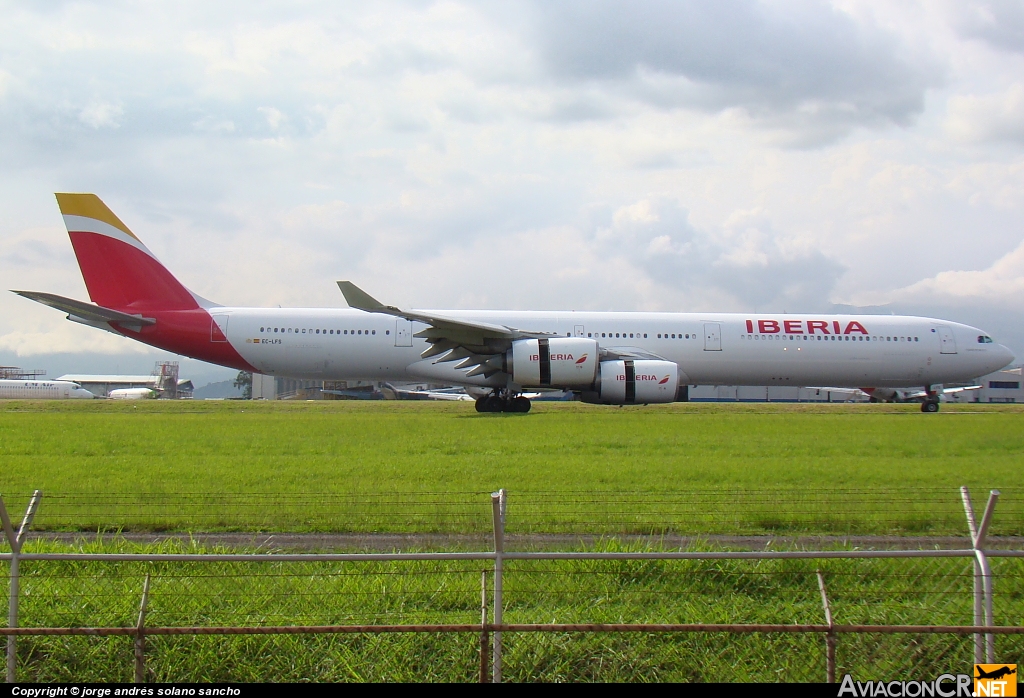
(729, 155)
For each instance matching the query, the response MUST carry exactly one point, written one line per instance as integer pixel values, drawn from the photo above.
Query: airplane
(999, 673)
(613, 358)
(42, 390)
(895, 395)
(393, 392)
(133, 394)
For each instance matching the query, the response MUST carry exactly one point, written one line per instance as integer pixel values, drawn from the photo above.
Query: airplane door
(712, 336)
(947, 342)
(219, 328)
(578, 330)
(403, 333)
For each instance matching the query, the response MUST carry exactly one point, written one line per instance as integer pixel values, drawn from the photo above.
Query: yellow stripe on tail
(90, 206)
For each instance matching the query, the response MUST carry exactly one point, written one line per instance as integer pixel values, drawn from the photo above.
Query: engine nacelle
(559, 362)
(641, 381)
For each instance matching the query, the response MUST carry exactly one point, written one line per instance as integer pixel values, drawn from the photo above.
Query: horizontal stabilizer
(86, 311)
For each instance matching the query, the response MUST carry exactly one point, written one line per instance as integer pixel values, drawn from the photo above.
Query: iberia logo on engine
(559, 357)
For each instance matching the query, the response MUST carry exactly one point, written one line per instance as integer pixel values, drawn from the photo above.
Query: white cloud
(669, 155)
(65, 340)
(994, 117)
(273, 116)
(99, 114)
(1001, 283)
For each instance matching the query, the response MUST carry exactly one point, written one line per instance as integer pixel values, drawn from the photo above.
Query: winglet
(361, 300)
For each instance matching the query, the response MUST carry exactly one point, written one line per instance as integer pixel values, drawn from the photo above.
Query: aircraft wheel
(489, 404)
(930, 406)
(520, 404)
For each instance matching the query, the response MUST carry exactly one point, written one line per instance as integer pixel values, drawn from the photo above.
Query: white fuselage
(710, 348)
(42, 390)
(133, 394)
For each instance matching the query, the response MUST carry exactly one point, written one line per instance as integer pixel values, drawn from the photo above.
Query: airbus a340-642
(611, 358)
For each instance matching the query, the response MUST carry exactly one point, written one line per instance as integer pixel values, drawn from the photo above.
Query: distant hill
(220, 389)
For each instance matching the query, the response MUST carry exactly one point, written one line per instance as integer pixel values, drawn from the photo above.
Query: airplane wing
(86, 311)
(629, 353)
(476, 345)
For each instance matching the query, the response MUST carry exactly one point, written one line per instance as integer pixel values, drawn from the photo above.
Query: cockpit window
(984, 339)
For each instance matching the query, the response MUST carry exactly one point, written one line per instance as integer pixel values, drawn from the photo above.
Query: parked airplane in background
(133, 394)
(895, 395)
(42, 390)
(610, 358)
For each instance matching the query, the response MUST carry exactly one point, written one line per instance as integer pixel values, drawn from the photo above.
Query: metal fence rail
(533, 589)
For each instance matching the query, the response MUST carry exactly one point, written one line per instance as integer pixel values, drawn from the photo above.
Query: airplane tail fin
(119, 271)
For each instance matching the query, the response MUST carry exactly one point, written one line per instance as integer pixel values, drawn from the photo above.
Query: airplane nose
(1003, 357)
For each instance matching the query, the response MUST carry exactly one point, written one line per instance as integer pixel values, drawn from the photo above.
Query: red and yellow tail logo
(119, 271)
(995, 680)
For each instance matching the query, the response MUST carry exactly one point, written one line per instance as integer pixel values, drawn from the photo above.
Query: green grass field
(428, 467)
(356, 466)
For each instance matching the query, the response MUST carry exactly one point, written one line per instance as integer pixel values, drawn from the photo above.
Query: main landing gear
(931, 400)
(503, 402)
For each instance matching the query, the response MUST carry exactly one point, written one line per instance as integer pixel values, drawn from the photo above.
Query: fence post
(986, 572)
(979, 589)
(830, 636)
(16, 540)
(140, 636)
(12, 612)
(485, 640)
(498, 503)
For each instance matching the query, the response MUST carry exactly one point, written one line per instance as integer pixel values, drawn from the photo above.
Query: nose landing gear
(503, 402)
(931, 400)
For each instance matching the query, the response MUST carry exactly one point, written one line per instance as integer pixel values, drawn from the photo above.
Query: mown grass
(344, 466)
(916, 591)
(414, 467)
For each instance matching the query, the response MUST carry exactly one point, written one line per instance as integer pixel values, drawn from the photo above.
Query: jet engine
(630, 382)
(560, 362)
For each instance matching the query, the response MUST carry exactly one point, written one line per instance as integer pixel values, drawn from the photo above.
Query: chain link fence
(625, 589)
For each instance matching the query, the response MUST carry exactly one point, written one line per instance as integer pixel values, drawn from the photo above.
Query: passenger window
(375, 332)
